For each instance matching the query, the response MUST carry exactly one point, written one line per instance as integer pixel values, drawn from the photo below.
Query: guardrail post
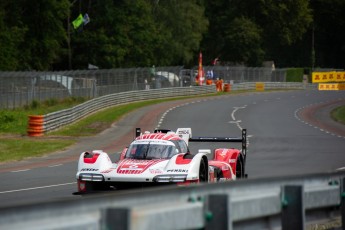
(116, 218)
(293, 215)
(342, 203)
(217, 212)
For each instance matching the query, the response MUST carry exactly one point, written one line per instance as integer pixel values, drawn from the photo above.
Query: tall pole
(313, 49)
(69, 35)
(69, 41)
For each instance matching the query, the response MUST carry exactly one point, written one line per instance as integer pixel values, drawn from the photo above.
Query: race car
(162, 157)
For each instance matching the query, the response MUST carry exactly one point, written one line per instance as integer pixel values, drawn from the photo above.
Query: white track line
(22, 170)
(35, 188)
(52, 166)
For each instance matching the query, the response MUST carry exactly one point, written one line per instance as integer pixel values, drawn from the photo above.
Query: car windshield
(150, 151)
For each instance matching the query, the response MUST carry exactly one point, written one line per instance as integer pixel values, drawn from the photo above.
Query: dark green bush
(294, 75)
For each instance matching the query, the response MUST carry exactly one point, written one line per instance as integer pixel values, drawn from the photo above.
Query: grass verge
(338, 114)
(14, 149)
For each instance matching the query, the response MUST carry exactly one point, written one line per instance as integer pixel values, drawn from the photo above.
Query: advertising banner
(333, 76)
(332, 86)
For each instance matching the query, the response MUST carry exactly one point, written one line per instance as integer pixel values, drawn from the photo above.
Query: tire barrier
(227, 87)
(209, 82)
(219, 85)
(36, 125)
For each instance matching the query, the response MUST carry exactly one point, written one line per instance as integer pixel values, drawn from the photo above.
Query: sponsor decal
(183, 132)
(178, 170)
(88, 170)
(155, 171)
(107, 171)
(133, 166)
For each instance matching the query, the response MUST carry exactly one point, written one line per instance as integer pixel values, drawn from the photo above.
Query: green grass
(12, 149)
(16, 121)
(98, 122)
(338, 114)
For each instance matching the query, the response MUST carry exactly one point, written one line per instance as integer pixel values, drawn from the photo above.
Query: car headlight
(170, 178)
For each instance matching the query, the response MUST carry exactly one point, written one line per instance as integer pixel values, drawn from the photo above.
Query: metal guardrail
(297, 202)
(61, 118)
(273, 85)
(55, 120)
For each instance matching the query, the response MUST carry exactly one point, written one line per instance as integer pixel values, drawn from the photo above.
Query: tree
(276, 26)
(12, 33)
(183, 23)
(45, 37)
(329, 33)
(285, 24)
(120, 34)
(244, 41)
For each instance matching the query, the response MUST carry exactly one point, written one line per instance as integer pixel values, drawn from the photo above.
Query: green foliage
(294, 74)
(37, 35)
(244, 40)
(12, 34)
(6, 120)
(34, 104)
(13, 121)
(51, 102)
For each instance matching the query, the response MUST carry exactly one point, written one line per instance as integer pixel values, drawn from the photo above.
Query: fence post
(218, 212)
(293, 215)
(342, 203)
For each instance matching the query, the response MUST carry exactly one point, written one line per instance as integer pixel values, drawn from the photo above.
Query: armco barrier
(61, 118)
(55, 120)
(296, 202)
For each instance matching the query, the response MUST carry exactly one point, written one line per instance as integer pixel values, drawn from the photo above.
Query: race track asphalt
(290, 132)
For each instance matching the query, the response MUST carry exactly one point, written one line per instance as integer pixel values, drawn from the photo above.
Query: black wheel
(218, 173)
(202, 171)
(239, 168)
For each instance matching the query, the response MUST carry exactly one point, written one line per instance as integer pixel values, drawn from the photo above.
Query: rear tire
(202, 172)
(239, 168)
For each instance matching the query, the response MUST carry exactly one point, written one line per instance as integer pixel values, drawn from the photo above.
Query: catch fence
(19, 89)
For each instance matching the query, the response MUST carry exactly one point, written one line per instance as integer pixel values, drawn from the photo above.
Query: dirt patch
(98, 126)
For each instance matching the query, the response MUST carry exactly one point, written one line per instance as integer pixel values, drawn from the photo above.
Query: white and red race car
(162, 157)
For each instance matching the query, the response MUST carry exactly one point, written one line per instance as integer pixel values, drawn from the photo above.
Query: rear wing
(186, 134)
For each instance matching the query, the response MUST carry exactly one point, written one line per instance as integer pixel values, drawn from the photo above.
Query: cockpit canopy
(148, 149)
